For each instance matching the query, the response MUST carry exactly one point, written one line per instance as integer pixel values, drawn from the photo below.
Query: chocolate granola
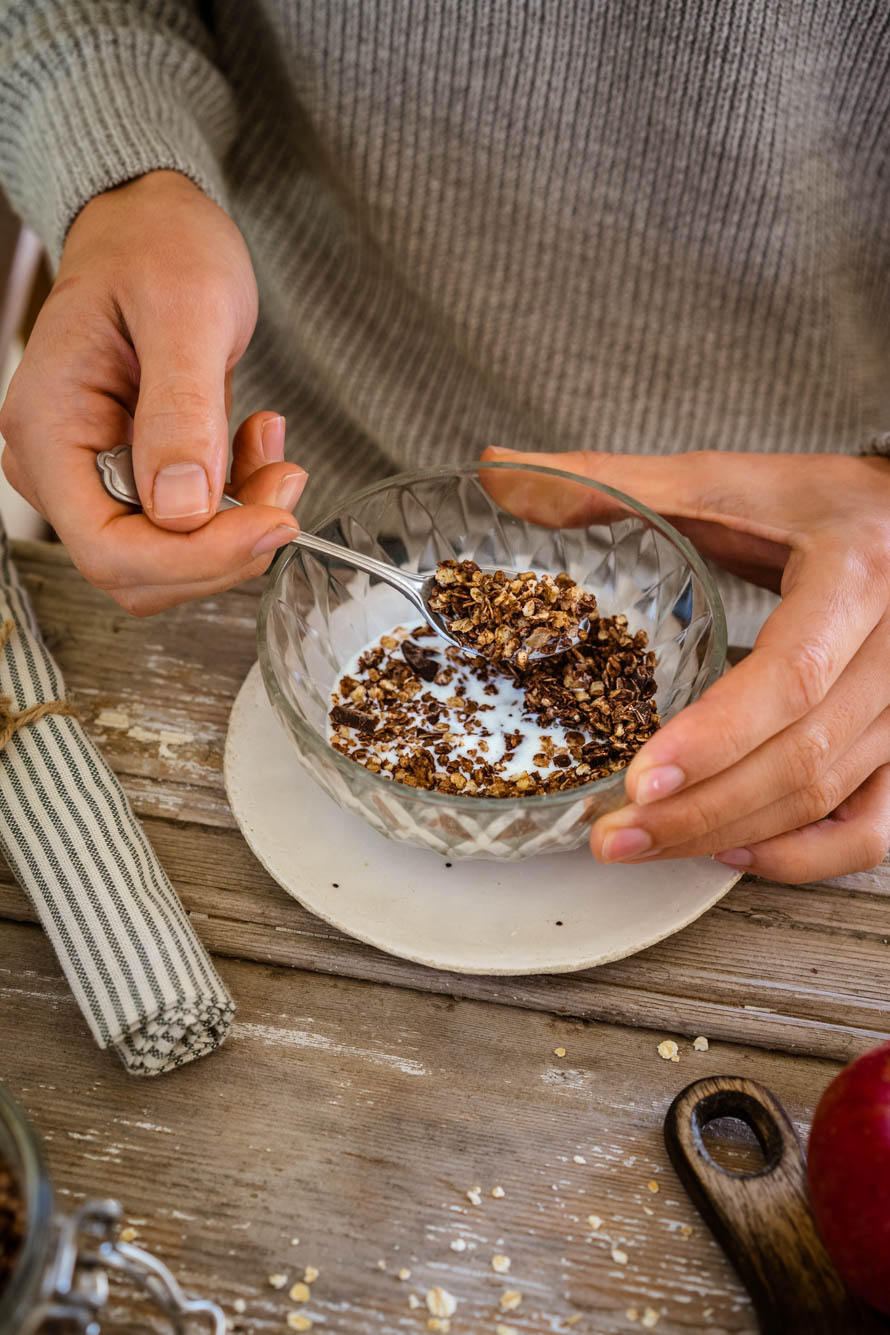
(516, 617)
(430, 717)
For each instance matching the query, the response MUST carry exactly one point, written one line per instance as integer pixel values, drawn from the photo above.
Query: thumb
(180, 428)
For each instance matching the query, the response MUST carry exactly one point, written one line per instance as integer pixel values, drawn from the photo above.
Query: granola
(511, 617)
(420, 712)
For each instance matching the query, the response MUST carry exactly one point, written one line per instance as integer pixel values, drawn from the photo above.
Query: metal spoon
(116, 470)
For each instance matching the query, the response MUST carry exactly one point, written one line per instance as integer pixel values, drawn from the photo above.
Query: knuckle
(810, 673)
(93, 570)
(136, 602)
(694, 820)
(174, 395)
(810, 755)
(819, 799)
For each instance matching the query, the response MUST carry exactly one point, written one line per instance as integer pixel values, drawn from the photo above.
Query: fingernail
(625, 843)
(275, 538)
(736, 857)
(290, 488)
(272, 439)
(658, 782)
(180, 490)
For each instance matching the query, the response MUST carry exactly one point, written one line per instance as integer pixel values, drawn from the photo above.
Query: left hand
(782, 768)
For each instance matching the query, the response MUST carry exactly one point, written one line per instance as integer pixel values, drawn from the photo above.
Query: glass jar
(63, 1265)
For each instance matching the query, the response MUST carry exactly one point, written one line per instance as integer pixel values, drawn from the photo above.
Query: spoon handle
(116, 470)
(762, 1218)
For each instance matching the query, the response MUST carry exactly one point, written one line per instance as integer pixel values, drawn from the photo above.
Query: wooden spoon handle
(762, 1219)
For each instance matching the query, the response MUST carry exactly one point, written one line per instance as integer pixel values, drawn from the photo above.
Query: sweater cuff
(108, 108)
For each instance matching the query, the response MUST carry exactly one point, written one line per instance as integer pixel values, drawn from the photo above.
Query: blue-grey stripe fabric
(139, 973)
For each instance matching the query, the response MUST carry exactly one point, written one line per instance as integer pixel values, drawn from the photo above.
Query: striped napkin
(139, 974)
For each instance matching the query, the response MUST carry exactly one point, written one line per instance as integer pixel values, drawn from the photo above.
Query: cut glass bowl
(316, 614)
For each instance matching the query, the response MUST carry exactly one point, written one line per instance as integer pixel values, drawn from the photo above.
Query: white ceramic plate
(551, 914)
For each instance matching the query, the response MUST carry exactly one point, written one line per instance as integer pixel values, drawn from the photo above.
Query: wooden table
(360, 1097)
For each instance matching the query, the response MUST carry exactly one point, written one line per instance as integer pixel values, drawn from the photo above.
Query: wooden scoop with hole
(762, 1219)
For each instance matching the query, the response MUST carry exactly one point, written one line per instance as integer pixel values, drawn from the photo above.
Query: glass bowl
(316, 614)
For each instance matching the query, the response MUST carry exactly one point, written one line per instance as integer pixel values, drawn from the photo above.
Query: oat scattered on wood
(701, 1044)
(510, 1300)
(277, 1281)
(299, 1292)
(618, 1256)
(440, 1302)
(500, 1263)
(297, 1321)
(669, 1051)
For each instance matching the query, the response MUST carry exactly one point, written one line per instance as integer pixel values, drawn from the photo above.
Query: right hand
(154, 303)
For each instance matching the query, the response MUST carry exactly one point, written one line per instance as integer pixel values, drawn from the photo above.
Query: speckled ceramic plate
(551, 914)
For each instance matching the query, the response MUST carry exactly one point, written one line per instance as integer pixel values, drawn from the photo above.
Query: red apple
(849, 1174)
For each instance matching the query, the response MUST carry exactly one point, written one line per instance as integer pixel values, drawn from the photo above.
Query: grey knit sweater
(553, 224)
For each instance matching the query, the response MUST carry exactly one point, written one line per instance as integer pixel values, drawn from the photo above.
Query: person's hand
(783, 767)
(154, 303)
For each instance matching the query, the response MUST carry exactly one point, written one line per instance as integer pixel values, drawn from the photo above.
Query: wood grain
(803, 970)
(355, 1116)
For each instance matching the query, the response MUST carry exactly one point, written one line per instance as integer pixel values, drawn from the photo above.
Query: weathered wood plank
(355, 1117)
(769, 965)
(804, 970)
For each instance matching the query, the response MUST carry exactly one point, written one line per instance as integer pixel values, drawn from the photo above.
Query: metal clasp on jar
(88, 1248)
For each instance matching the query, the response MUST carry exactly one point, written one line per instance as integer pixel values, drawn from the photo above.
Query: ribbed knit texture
(553, 225)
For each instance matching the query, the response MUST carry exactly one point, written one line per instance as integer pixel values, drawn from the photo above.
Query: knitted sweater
(549, 224)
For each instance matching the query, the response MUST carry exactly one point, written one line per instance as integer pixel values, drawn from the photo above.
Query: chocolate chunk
(419, 661)
(352, 718)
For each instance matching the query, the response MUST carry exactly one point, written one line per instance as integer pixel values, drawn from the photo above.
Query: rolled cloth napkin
(140, 975)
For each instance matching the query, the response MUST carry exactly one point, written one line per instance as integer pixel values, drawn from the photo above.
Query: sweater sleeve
(96, 92)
